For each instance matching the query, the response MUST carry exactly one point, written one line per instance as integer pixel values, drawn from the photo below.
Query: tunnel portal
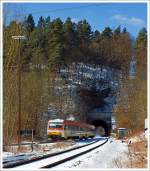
(100, 119)
(100, 127)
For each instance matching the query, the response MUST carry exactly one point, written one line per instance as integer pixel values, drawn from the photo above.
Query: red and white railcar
(69, 129)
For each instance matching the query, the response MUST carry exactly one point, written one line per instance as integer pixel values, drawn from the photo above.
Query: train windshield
(55, 125)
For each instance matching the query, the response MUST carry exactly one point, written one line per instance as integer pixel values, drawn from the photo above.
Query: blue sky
(133, 16)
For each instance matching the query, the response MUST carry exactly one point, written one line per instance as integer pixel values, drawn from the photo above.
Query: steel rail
(72, 157)
(28, 161)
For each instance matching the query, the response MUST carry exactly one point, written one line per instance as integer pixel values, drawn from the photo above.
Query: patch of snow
(13, 158)
(102, 157)
(40, 150)
(97, 136)
(7, 154)
(47, 161)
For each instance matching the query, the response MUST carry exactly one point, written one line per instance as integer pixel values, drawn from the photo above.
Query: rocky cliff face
(82, 89)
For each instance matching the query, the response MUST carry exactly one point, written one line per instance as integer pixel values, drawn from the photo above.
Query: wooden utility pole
(19, 90)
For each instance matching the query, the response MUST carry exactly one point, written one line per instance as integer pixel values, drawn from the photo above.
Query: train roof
(77, 123)
(56, 120)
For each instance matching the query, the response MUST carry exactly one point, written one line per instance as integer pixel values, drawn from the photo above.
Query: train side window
(76, 128)
(66, 127)
(81, 129)
(69, 127)
(58, 126)
(72, 127)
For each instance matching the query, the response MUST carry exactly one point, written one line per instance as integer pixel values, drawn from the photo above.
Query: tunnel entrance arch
(100, 124)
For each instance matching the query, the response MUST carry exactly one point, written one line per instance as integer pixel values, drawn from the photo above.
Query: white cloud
(126, 20)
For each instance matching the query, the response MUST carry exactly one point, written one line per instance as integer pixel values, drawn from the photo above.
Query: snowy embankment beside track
(61, 157)
(113, 154)
(41, 150)
(107, 156)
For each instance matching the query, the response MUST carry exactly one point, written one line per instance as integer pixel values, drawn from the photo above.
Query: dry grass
(136, 156)
(15, 150)
(57, 145)
(61, 145)
(39, 148)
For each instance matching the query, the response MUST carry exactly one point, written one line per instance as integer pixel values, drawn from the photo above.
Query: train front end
(55, 128)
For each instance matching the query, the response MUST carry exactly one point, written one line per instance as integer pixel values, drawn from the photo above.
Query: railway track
(54, 159)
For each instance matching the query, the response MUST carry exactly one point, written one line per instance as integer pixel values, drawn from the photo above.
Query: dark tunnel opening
(102, 128)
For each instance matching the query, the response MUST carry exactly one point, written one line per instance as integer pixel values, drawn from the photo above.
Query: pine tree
(29, 24)
(141, 53)
(107, 33)
(70, 40)
(124, 30)
(69, 31)
(47, 22)
(41, 23)
(55, 44)
(117, 31)
(96, 35)
(141, 39)
(84, 31)
(84, 37)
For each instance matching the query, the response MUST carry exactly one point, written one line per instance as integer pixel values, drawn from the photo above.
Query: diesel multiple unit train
(58, 128)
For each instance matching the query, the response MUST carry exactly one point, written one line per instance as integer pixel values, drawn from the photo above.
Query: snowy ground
(47, 161)
(111, 155)
(40, 150)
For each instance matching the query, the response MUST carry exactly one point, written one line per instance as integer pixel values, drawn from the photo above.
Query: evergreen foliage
(55, 44)
(141, 38)
(29, 24)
